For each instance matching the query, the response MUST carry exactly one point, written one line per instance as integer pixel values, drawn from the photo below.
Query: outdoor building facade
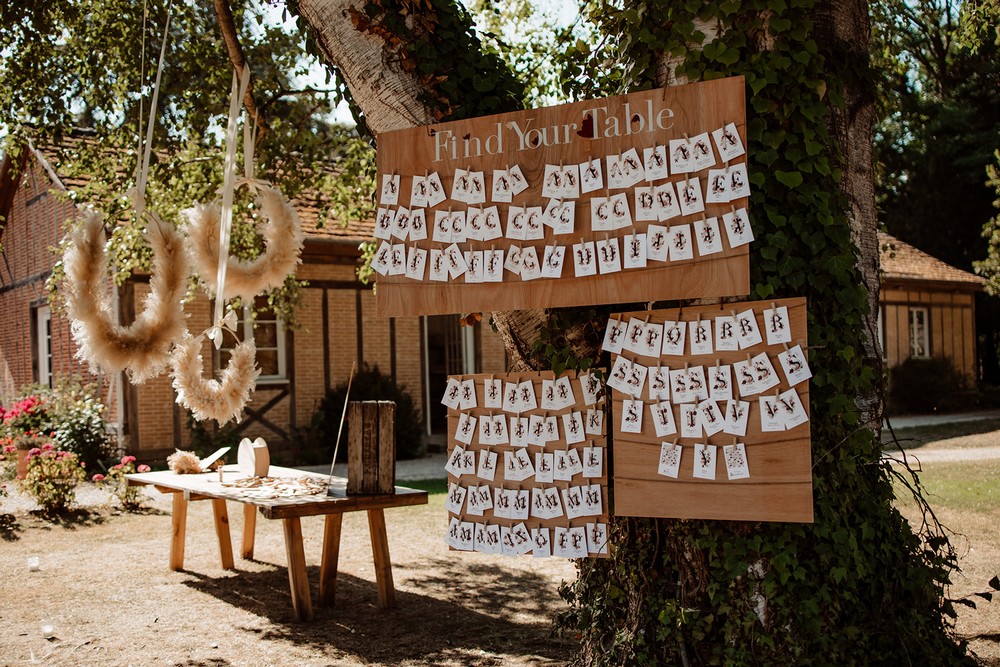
(336, 328)
(927, 308)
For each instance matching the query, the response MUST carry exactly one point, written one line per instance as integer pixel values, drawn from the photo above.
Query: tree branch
(228, 26)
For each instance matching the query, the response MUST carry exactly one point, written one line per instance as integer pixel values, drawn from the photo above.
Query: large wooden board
(779, 487)
(500, 482)
(564, 135)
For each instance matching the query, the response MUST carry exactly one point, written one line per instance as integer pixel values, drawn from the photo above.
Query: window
(920, 336)
(43, 344)
(269, 335)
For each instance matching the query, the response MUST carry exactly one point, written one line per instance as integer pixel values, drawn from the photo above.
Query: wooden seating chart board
(710, 412)
(527, 465)
(633, 198)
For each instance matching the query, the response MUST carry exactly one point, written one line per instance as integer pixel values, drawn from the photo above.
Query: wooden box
(371, 447)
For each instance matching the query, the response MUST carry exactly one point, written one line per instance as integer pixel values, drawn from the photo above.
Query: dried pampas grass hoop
(143, 347)
(222, 399)
(282, 238)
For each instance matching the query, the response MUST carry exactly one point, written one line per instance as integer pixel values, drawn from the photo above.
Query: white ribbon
(228, 190)
(138, 193)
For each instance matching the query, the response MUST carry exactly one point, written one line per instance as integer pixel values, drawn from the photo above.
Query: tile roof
(901, 261)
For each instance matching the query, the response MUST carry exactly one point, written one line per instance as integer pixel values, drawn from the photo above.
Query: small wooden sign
(640, 197)
(527, 465)
(711, 412)
(371, 447)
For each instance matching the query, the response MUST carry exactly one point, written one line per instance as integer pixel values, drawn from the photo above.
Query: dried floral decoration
(222, 399)
(184, 463)
(283, 239)
(143, 347)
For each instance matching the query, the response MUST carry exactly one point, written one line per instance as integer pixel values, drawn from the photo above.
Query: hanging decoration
(143, 347)
(283, 238)
(222, 399)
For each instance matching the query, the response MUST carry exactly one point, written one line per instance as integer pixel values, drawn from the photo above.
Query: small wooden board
(564, 135)
(780, 463)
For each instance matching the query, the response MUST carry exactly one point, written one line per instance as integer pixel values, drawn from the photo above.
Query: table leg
(331, 554)
(249, 530)
(298, 578)
(383, 566)
(178, 527)
(222, 531)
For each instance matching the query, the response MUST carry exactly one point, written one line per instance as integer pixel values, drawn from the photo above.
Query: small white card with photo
(680, 243)
(670, 460)
(674, 334)
(702, 155)
(700, 335)
(663, 418)
(665, 202)
(416, 263)
(656, 243)
(708, 236)
(738, 229)
(777, 328)
(794, 364)
(737, 413)
(689, 195)
(593, 462)
(654, 160)
(690, 421)
(736, 461)
(591, 176)
(631, 416)
(389, 194)
(720, 382)
(635, 251)
(614, 336)
(595, 421)
(704, 461)
(609, 258)
(727, 140)
(747, 330)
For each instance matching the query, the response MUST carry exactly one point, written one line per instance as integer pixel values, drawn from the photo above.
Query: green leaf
(792, 179)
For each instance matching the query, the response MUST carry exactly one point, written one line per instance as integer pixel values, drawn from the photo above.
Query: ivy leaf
(792, 179)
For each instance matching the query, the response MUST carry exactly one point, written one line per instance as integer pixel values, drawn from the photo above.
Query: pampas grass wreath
(143, 347)
(283, 245)
(222, 399)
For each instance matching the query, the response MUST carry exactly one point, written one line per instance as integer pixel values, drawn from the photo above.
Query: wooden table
(206, 486)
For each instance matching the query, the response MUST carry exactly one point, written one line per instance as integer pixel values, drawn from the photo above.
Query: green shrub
(925, 385)
(369, 384)
(52, 477)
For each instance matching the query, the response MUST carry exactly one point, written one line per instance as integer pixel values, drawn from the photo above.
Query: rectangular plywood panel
(463, 483)
(564, 135)
(779, 485)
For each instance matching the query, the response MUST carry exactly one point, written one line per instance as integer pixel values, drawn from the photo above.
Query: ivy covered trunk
(856, 587)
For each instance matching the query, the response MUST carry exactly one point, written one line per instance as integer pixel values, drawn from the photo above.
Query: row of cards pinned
(560, 465)
(624, 170)
(518, 397)
(518, 540)
(754, 375)
(527, 223)
(778, 412)
(729, 333)
(534, 430)
(636, 250)
(704, 462)
(544, 503)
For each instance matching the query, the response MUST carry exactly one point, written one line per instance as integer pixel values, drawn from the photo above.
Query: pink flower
(9, 449)
(34, 451)
(128, 459)
(117, 466)
(143, 468)
(98, 477)
(47, 446)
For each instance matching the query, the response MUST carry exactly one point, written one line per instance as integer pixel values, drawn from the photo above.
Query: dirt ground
(105, 585)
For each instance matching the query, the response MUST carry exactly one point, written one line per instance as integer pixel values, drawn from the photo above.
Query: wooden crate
(371, 447)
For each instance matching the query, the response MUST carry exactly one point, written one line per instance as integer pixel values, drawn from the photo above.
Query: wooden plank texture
(178, 531)
(298, 576)
(330, 560)
(369, 447)
(221, 515)
(355, 447)
(780, 463)
(380, 555)
(564, 135)
(386, 477)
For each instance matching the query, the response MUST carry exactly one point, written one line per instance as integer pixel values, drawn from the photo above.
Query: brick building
(927, 308)
(337, 326)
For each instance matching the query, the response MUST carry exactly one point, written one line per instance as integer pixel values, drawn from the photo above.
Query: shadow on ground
(468, 614)
(918, 436)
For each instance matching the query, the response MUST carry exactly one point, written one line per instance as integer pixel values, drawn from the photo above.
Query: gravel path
(950, 455)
